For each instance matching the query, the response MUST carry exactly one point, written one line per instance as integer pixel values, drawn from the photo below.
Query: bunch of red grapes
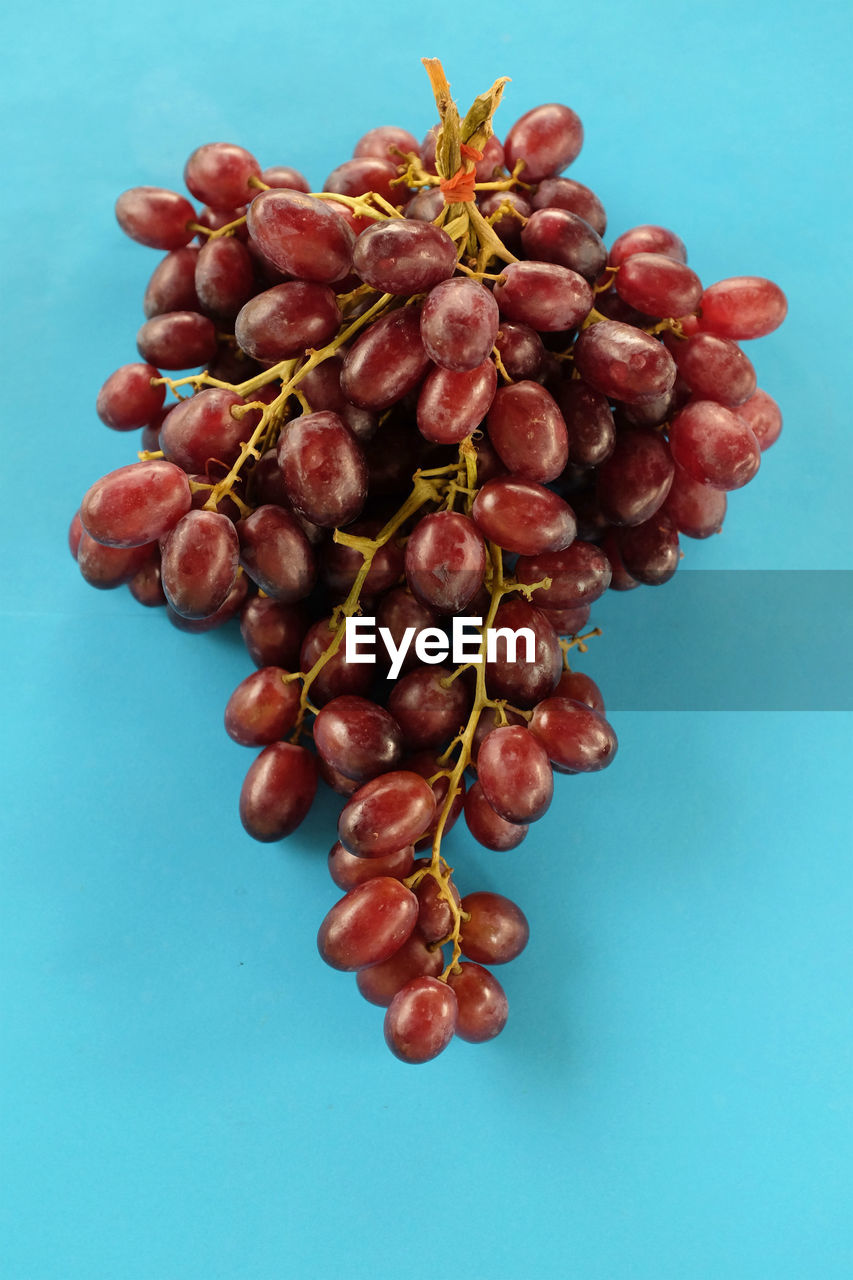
(428, 391)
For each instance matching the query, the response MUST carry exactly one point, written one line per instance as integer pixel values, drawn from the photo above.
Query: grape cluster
(427, 391)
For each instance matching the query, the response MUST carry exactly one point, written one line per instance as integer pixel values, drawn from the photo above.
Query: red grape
(743, 307)
(420, 1020)
(445, 561)
(528, 432)
(400, 256)
(155, 217)
(497, 931)
(368, 924)
(576, 738)
(127, 399)
(278, 791)
(523, 516)
(459, 324)
(544, 295)
(357, 737)
(547, 139)
(515, 775)
(263, 708)
(415, 959)
(200, 561)
(486, 826)
(623, 362)
(219, 172)
(482, 1006)
(136, 504)
(387, 813)
(325, 474)
(714, 445)
(347, 870)
(301, 236)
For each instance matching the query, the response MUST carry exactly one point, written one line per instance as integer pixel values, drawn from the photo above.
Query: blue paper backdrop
(186, 1090)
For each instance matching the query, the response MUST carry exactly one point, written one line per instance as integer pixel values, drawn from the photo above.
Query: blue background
(186, 1090)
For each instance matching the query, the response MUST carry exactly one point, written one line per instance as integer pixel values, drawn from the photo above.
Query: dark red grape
(283, 321)
(338, 676)
(146, 585)
(715, 369)
(366, 173)
(358, 738)
(273, 632)
(556, 235)
(324, 470)
(714, 445)
(565, 193)
(521, 350)
(300, 235)
(127, 399)
(224, 277)
(634, 481)
(203, 429)
(386, 361)
(420, 1020)
(487, 827)
(405, 257)
(435, 915)
(576, 738)
(136, 504)
(276, 554)
(621, 579)
(523, 682)
(623, 362)
(429, 713)
(694, 508)
(650, 550)
(278, 791)
(548, 297)
(386, 141)
(523, 516)
(155, 217)
(580, 687)
(219, 172)
(177, 340)
(459, 324)
(515, 774)
(547, 139)
(282, 175)
(263, 708)
(646, 239)
(201, 556)
(579, 575)
(527, 430)
(497, 931)
(451, 405)
(658, 285)
(507, 225)
(589, 422)
(321, 387)
(233, 604)
(347, 870)
(445, 561)
(107, 567)
(763, 416)
(743, 307)
(368, 924)
(482, 1006)
(415, 959)
(387, 813)
(172, 284)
